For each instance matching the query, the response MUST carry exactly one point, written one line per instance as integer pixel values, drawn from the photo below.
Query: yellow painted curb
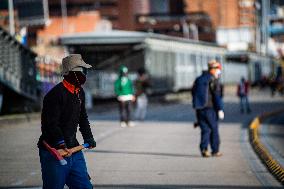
(273, 166)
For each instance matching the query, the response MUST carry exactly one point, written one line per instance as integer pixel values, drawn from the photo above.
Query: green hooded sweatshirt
(123, 85)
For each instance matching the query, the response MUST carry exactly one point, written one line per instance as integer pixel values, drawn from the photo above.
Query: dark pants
(55, 175)
(244, 104)
(125, 111)
(208, 121)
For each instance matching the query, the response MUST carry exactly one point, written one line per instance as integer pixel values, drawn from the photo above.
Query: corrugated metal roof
(120, 37)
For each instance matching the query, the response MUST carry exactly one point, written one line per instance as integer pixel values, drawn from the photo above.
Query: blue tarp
(276, 30)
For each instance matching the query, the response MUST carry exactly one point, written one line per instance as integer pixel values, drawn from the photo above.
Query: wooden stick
(63, 153)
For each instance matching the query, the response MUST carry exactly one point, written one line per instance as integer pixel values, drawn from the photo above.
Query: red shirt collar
(71, 88)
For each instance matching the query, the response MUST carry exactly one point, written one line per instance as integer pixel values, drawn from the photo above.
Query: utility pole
(257, 6)
(267, 17)
(11, 17)
(46, 11)
(64, 15)
(265, 23)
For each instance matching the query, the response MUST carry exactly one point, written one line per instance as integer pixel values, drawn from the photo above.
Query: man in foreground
(63, 110)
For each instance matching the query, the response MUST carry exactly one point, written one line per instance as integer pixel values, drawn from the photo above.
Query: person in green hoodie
(125, 95)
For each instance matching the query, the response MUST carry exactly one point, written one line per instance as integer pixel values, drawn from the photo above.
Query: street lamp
(11, 17)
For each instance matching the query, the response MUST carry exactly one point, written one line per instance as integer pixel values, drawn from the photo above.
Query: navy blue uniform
(207, 101)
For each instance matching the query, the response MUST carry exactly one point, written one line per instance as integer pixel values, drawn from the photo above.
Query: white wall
(235, 36)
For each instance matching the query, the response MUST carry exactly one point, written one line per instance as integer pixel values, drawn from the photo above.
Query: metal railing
(17, 66)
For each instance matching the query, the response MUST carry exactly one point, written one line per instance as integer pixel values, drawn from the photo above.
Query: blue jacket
(203, 85)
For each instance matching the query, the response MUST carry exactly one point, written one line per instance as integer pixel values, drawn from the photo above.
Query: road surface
(161, 152)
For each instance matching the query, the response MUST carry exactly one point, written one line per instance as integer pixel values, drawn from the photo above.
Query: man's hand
(133, 98)
(92, 143)
(69, 152)
(64, 147)
(221, 114)
(195, 124)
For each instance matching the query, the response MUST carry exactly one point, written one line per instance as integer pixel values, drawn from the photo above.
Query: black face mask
(76, 78)
(85, 71)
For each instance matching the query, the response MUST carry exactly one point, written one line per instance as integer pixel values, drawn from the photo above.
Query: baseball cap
(213, 64)
(73, 62)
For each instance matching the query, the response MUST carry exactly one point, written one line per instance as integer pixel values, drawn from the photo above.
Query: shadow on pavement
(144, 153)
(184, 112)
(157, 186)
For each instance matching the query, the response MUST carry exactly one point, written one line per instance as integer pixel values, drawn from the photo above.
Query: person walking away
(63, 111)
(242, 92)
(208, 104)
(141, 85)
(125, 96)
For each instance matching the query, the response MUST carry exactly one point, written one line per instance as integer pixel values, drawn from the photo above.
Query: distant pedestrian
(277, 82)
(142, 85)
(63, 111)
(207, 101)
(243, 92)
(125, 96)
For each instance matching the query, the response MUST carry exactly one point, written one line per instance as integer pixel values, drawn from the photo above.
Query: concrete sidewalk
(161, 152)
(166, 155)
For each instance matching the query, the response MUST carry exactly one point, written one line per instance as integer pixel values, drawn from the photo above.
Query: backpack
(200, 92)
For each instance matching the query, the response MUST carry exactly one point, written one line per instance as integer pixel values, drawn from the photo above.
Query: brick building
(234, 20)
(159, 16)
(226, 14)
(47, 37)
(72, 24)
